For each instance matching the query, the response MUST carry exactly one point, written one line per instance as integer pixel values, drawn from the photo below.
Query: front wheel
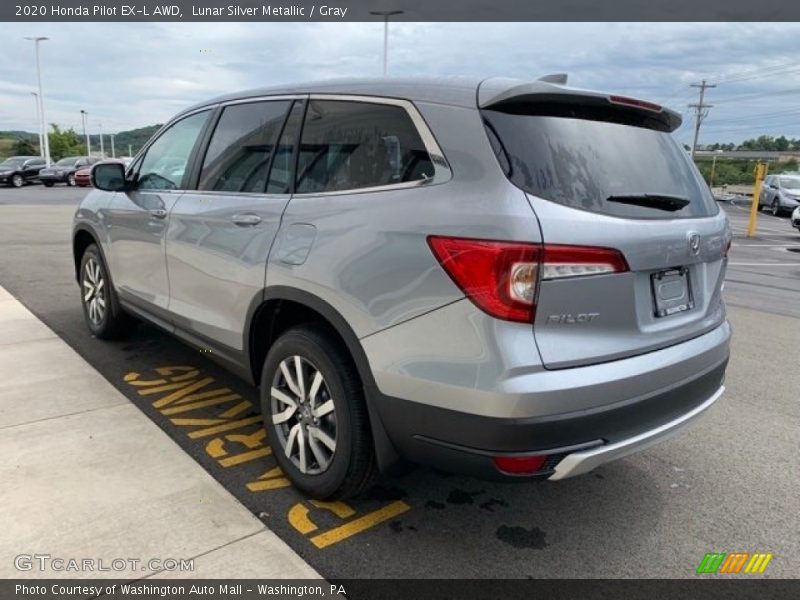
(71, 180)
(17, 181)
(96, 299)
(315, 414)
(776, 208)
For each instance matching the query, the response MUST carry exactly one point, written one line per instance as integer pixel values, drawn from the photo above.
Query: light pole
(84, 117)
(385, 14)
(102, 150)
(38, 123)
(45, 137)
(113, 152)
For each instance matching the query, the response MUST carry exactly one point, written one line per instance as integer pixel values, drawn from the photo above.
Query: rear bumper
(574, 442)
(584, 461)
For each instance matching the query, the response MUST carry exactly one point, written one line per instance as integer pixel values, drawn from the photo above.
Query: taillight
(501, 278)
(576, 261)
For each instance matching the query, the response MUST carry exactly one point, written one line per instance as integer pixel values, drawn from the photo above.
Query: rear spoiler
(550, 99)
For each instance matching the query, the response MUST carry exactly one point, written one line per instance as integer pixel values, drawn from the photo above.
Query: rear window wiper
(657, 201)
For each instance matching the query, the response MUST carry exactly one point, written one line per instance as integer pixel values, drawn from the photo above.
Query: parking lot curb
(87, 476)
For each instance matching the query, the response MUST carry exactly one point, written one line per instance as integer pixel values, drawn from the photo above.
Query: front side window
(164, 164)
(241, 147)
(349, 145)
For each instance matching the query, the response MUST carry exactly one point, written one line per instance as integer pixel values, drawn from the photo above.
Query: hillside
(136, 138)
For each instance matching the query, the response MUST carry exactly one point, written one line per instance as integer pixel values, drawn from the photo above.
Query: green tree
(64, 143)
(23, 147)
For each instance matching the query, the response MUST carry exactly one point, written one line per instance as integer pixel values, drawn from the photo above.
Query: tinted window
(600, 166)
(281, 172)
(352, 145)
(164, 164)
(239, 154)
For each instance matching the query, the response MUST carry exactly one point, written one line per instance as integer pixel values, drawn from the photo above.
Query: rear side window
(241, 147)
(610, 168)
(354, 145)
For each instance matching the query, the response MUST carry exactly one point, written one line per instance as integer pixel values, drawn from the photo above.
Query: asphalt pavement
(729, 484)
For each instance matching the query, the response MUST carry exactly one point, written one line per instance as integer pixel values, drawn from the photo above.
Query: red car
(83, 177)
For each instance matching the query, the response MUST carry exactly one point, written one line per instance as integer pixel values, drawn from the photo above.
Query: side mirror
(109, 177)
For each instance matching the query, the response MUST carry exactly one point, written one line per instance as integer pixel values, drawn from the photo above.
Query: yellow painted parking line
(369, 520)
(233, 441)
(298, 517)
(271, 480)
(226, 427)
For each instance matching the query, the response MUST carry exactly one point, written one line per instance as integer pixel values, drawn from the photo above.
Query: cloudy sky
(129, 75)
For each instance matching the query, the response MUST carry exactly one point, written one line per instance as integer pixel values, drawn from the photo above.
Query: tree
(23, 147)
(64, 143)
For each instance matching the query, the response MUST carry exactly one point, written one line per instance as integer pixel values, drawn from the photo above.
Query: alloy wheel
(302, 410)
(17, 181)
(775, 208)
(94, 291)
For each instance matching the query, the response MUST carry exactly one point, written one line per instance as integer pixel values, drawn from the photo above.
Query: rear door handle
(246, 220)
(158, 213)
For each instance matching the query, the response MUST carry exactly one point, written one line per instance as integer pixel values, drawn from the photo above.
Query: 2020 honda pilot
(505, 278)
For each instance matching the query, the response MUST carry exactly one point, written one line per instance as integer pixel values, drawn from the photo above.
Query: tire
(775, 208)
(312, 465)
(47, 183)
(17, 181)
(71, 180)
(97, 299)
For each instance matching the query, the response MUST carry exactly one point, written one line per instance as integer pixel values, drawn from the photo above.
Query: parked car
(83, 176)
(796, 218)
(781, 193)
(19, 170)
(462, 273)
(64, 170)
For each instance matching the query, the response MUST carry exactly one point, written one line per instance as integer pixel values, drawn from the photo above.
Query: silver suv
(780, 193)
(504, 278)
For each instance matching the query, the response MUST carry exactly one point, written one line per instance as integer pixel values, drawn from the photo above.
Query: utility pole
(102, 149)
(113, 152)
(39, 125)
(130, 152)
(45, 136)
(84, 116)
(700, 110)
(386, 14)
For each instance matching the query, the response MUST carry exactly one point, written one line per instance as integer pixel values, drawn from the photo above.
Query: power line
(701, 110)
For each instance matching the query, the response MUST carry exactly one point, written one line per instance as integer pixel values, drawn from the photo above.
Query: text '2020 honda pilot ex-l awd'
(495, 277)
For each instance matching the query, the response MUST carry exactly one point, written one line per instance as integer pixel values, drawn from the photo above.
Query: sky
(128, 75)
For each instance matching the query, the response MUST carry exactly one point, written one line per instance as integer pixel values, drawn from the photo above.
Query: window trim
(441, 168)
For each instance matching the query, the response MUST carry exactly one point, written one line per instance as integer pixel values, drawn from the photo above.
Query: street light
(385, 14)
(84, 118)
(45, 137)
(102, 150)
(38, 123)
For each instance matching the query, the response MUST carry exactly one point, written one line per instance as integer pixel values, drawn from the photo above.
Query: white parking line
(764, 264)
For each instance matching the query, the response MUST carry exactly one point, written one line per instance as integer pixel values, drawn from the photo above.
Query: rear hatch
(604, 172)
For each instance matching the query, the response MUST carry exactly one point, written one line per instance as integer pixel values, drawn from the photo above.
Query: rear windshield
(609, 168)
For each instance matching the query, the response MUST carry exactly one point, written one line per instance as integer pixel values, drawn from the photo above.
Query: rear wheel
(776, 208)
(96, 299)
(17, 181)
(315, 414)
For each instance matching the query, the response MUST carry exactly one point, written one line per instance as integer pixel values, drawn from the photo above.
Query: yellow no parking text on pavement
(233, 436)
